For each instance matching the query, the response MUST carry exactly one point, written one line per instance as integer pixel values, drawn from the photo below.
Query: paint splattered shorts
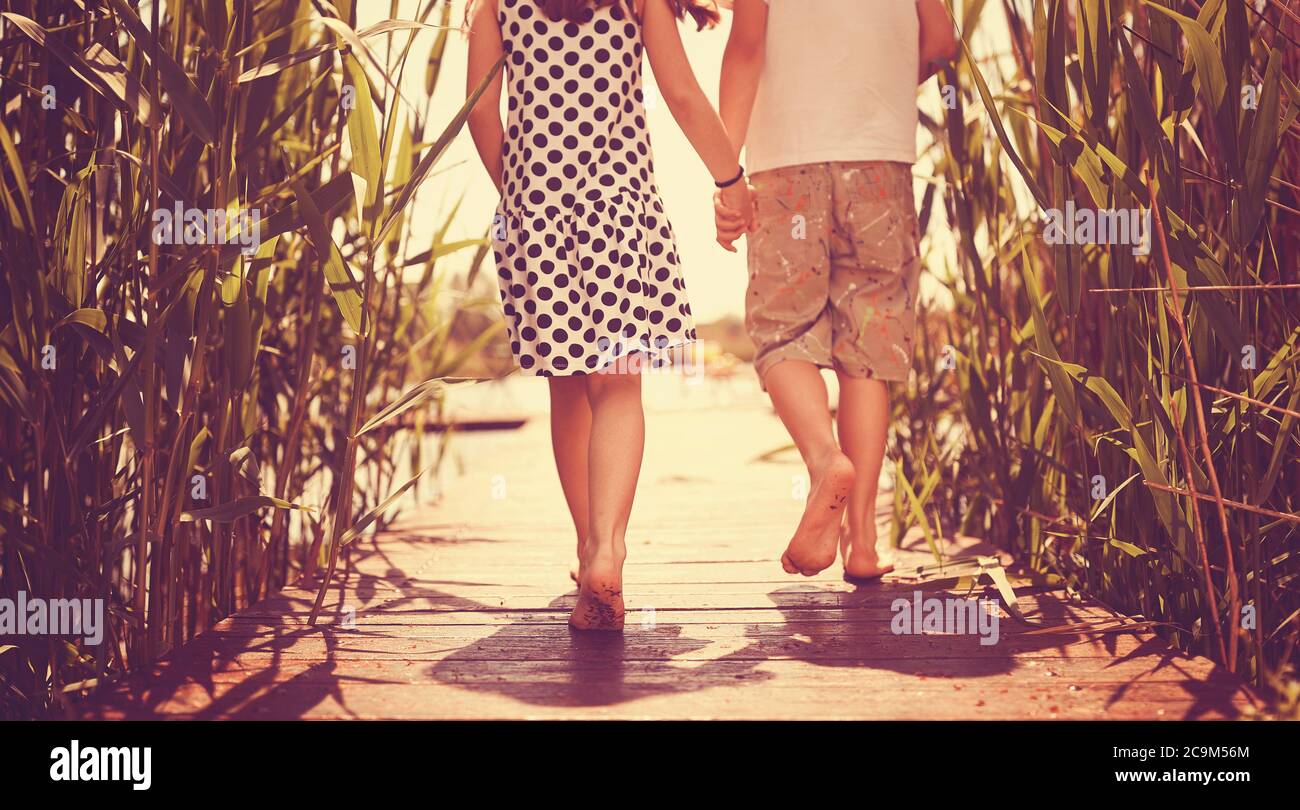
(833, 268)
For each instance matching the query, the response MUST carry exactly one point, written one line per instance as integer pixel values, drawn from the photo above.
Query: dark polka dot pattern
(586, 260)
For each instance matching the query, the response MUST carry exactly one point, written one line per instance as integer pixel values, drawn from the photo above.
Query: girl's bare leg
(799, 396)
(570, 437)
(864, 426)
(614, 464)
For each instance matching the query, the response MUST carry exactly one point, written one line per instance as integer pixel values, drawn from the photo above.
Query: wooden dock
(462, 614)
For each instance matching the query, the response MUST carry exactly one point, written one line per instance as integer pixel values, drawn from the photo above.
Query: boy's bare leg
(864, 426)
(799, 396)
(570, 439)
(614, 464)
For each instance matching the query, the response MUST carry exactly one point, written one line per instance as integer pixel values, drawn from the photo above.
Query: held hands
(734, 210)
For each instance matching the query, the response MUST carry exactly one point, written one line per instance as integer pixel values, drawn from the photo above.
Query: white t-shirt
(839, 84)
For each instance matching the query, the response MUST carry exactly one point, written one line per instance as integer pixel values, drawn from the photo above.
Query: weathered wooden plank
(551, 583)
(905, 674)
(416, 623)
(721, 670)
(375, 602)
(767, 693)
(417, 620)
(538, 644)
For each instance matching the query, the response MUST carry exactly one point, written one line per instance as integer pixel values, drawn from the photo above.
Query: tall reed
(1125, 421)
(184, 424)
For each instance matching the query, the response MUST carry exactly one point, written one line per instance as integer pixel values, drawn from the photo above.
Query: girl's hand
(732, 223)
(739, 197)
(729, 224)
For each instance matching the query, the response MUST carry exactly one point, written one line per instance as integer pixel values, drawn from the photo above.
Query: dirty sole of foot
(815, 543)
(598, 609)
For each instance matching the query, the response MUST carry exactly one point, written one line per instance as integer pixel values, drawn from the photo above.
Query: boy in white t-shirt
(822, 94)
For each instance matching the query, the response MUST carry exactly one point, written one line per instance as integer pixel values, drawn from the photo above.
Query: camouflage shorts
(833, 268)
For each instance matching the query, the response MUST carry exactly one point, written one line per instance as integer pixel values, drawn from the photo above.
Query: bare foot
(600, 596)
(812, 549)
(861, 562)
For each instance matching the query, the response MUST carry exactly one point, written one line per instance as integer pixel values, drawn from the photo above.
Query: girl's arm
(938, 41)
(485, 119)
(686, 101)
(742, 64)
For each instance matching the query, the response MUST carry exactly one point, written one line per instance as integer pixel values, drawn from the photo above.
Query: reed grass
(1125, 421)
(184, 426)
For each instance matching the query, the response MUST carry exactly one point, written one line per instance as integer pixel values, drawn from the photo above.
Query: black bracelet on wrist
(733, 181)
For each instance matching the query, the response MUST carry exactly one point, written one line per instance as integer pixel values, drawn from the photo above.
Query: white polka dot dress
(586, 260)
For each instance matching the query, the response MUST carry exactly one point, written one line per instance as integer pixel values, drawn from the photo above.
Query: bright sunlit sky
(715, 278)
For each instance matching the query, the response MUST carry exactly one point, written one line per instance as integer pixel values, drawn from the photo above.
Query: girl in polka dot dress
(590, 279)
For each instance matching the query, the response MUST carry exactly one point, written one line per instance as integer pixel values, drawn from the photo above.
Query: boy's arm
(742, 64)
(938, 40)
(485, 50)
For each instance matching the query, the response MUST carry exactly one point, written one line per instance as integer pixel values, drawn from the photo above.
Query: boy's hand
(734, 213)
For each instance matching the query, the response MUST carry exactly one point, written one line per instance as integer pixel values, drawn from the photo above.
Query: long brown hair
(704, 12)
